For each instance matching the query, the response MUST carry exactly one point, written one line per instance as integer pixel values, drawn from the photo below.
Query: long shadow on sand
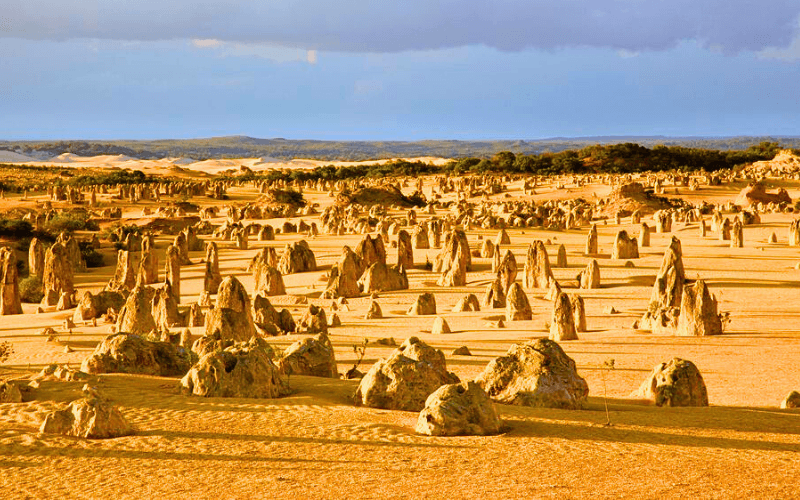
(73, 452)
(297, 439)
(632, 412)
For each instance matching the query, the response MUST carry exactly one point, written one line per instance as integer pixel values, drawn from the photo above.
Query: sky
(411, 70)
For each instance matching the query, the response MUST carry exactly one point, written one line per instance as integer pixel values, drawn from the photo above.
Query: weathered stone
(675, 383)
(125, 274)
(343, 280)
(507, 271)
(212, 277)
(518, 307)
(406, 379)
(665, 299)
(128, 353)
(374, 311)
(242, 370)
(382, 278)
(461, 351)
(419, 237)
(297, 258)
(73, 250)
(625, 247)
(93, 306)
(231, 314)
(311, 356)
(405, 250)
(10, 301)
(172, 270)
(266, 233)
(456, 275)
(148, 267)
(461, 409)
(313, 320)
(495, 295)
(591, 241)
(644, 235)
(10, 393)
(467, 303)
(663, 219)
(36, 257)
(165, 309)
(698, 316)
(371, 251)
(136, 315)
(578, 312)
(502, 238)
(537, 373)
(562, 322)
(455, 249)
(440, 326)
(182, 244)
(792, 400)
(61, 373)
(92, 417)
(737, 235)
(57, 278)
(425, 304)
(537, 267)
(589, 278)
(561, 257)
(487, 249)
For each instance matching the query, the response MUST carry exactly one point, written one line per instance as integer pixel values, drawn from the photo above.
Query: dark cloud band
(371, 26)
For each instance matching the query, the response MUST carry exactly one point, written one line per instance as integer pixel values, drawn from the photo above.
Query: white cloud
(627, 54)
(269, 51)
(208, 43)
(789, 54)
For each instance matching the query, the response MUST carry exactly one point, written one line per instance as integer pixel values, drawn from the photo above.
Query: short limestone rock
(537, 373)
(461, 409)
(406, 379)
(675, 383)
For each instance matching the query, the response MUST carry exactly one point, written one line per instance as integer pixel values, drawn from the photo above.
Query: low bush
(31, 290)
(70, 222)
(90, 254)
(15, 228)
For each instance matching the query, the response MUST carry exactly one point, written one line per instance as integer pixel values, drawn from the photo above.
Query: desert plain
(316, 442)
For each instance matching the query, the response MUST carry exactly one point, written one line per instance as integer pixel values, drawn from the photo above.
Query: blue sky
(307, 69)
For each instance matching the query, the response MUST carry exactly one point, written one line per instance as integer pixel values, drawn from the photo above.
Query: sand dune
(12, 157)
(211, 167)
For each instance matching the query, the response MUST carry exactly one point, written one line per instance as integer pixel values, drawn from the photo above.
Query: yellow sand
(317, 444)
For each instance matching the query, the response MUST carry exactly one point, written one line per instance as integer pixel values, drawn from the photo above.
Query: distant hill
(243, 146)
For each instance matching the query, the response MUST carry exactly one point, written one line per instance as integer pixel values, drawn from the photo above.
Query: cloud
(627, 54)
(207, 43)
(375, 27)
(269, 51)
(789, 54)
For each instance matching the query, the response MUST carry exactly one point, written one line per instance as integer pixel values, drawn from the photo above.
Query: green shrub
(111, 178)
(30, 289)
(70, 222)
(90, 254)
(15, 228)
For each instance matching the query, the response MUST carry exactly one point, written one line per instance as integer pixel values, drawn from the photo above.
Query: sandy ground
(317, 444)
